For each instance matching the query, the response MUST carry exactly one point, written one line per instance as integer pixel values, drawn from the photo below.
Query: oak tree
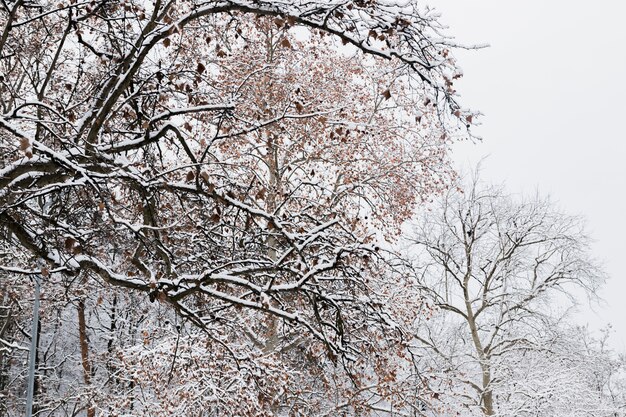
(233, 161)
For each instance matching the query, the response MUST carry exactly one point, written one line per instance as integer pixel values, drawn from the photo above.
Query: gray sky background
(552, 86)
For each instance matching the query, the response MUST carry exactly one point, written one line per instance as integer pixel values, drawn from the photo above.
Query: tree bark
(84, 352)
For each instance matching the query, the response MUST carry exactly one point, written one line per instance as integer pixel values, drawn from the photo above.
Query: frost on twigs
(207, 160)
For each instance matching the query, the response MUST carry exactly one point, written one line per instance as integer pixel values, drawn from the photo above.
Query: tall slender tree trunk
(272, 337)
(37, 386)
(5, 325)
(84, 352)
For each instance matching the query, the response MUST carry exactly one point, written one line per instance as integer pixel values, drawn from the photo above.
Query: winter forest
(249, 208)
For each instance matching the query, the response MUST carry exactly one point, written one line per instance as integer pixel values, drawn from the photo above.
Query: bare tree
(496, 267)
(572, 374)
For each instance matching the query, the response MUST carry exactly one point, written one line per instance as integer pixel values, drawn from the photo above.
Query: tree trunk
(488, 403)
(487, 395)
(84, 352)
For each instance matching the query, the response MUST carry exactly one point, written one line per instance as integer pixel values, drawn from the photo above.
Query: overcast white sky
(552, 86)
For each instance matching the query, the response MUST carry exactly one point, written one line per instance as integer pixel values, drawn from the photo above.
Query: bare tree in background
(497, 269)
